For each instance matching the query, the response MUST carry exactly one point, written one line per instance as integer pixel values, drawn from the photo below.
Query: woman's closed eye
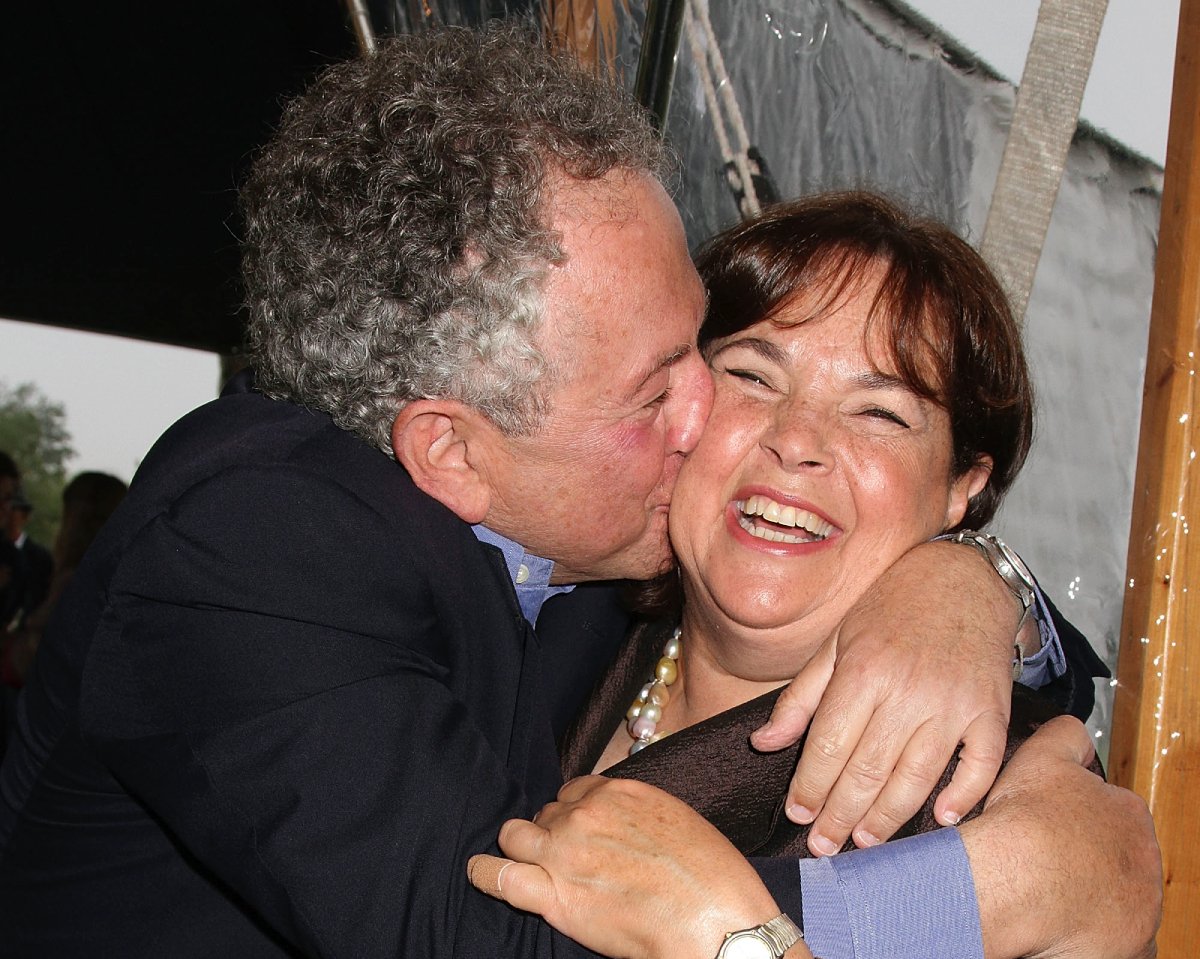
(882, 413)
(749, 376)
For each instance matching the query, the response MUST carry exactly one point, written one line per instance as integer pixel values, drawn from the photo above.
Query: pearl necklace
(645, 714)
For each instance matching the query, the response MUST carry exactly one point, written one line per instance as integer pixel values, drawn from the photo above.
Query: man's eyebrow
(681, 351)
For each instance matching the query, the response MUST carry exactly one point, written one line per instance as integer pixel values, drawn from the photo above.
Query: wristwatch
(768, 941)
(1009, 566)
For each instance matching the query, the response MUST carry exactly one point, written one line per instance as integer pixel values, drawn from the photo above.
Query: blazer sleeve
(1074, 692)
(275, 684)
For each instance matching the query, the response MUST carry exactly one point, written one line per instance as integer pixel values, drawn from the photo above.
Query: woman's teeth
(809, 527)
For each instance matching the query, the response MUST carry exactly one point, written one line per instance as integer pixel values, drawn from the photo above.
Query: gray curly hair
(397, 230)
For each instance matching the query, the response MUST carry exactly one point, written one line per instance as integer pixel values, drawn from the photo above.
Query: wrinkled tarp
(850, 93)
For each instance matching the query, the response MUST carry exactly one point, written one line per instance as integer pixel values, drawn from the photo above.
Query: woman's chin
(780, 607)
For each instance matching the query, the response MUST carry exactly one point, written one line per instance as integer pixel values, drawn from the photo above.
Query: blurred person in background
(10, 482)
(88, 501)
(36, 565)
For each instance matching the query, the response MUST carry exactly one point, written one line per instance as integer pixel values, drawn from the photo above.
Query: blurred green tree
(33, 432)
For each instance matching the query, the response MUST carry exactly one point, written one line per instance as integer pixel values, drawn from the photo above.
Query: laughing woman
(871, 393)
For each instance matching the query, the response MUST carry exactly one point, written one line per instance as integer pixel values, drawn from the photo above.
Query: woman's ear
(964, 488)
(440, 444)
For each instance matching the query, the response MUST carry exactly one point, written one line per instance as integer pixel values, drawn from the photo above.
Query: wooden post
(1156, 716)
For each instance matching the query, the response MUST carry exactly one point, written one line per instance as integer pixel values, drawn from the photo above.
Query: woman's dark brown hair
(947, 321)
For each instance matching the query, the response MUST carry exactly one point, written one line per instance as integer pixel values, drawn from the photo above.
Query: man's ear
(440, 443)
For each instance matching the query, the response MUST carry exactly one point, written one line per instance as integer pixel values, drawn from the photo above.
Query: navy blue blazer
(285, 698)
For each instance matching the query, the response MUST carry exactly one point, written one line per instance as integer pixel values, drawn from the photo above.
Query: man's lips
(766, 518)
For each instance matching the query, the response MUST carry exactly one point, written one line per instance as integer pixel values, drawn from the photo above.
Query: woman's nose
(799, 438)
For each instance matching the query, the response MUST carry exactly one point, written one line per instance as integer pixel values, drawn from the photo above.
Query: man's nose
(692, 401)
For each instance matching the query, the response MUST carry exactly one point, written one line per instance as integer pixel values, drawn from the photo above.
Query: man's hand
(1064, 864)
(920, 664)
(628, 870)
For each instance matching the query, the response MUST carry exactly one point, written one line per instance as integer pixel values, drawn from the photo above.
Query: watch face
(746, 945)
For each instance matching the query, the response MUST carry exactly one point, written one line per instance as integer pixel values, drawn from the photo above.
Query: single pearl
(671, 650)
(634, 711)
(642, 728)
(651, 713)
(645, 693)
(659, 695)
(666, 670)
(638, 746)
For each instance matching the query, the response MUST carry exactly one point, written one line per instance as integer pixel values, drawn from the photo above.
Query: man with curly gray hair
(295, 684)
(398, 242)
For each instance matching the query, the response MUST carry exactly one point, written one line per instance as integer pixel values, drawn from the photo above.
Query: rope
(699, 28)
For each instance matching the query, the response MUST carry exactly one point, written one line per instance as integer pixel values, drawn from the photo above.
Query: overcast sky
(121, 394)
(1129, 91)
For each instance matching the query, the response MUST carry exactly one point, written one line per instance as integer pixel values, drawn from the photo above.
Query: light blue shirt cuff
(1049, 662)
(911, 897)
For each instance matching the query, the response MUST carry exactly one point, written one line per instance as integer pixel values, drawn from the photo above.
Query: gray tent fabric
(856, 93)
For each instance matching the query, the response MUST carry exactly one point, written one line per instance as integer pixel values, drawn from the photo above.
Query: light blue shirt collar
(530, 574)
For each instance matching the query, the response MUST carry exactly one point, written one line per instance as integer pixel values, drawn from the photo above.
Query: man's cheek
(635, 443)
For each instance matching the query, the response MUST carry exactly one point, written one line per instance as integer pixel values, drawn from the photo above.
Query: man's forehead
(608, 198)
(597, 217)
(626, 296)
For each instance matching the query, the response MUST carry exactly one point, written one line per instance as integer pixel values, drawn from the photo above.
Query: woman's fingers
(835, 735)
(919, 770)
(799, 700)
(577, 788)
(485, 872)
(522, 885)
(978, 765)
(518, 878)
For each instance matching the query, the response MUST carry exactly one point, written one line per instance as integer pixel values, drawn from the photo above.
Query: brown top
(711, 765)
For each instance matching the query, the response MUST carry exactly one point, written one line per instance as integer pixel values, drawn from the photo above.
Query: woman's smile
(766, 518)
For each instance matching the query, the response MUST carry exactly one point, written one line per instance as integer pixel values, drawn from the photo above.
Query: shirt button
(522, 573)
